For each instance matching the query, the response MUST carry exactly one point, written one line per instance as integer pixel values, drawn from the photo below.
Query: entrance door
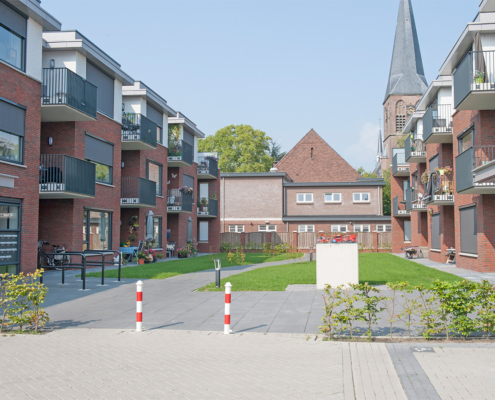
(407, 231)
(10, 229)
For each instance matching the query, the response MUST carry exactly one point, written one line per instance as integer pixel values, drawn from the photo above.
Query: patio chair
(170, 249)
(136, 251)
(170, 200)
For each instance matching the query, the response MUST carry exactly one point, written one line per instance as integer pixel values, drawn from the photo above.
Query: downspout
(223, 204)
(285, 204)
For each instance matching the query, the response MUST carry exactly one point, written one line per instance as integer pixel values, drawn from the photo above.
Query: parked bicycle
(52, 260)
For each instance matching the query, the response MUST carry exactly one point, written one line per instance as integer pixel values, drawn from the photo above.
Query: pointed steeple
(407, 75)
(379, 152)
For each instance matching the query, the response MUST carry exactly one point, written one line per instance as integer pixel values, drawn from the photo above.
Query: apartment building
(312, 189)
(84, 148)
(449, 151)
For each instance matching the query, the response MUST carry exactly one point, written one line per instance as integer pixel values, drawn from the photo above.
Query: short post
(218, 265)
(228, 290)
(139, 306)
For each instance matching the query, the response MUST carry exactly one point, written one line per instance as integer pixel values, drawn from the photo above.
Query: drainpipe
(223, 204)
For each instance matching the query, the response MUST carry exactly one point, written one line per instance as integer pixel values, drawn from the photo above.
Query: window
(157, 232)
(203, 231)
(466, 141)
(305, 197)
(154, 173)
(204, 192)
(236, 228)
(435, 232)
(267, 228)
(407, 231)
(384, 228)
(13, 32)
(100, 153)
(157, 117)
(12, 126)
(400, 116)
(306, 228)
(188, 181)
(10, 229)
(333, 198)
(339, 228)
(101, 222)
(105, 85)
(361, 228)
(361, 197)
(405, 186)
(469, 230)
(434, 163)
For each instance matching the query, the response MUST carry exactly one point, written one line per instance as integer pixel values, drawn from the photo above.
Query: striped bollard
(139, 307)
(228, 290)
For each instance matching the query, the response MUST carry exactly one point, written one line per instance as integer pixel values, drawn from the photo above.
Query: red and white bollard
(139, 307)
(228, 290)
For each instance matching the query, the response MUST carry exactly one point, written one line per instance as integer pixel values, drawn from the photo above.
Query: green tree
(387, 193)
(276, 151)
(361, 171)
(240, 148)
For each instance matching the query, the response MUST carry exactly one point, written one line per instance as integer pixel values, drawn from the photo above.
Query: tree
(240, 148)
(365, 174)
(386, 189)
(276, 152)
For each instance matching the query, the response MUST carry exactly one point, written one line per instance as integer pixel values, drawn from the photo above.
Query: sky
(281, 66)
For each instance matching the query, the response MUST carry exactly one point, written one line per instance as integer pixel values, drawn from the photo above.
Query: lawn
(164, 270)
(376, 269)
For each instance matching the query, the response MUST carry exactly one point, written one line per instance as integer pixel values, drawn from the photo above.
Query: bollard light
(218, 265)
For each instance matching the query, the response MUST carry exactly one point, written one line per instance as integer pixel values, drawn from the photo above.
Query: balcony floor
(441, 200)
(134, 203)
(402, 215)
(478, 100)
(173, 162)
(64, 195)
(63, 113)
(177, 210)
(402, 172)
(202, 175)
(479, 189)
(202, 214)
(439, 137)
(416, 159)
(136, 145)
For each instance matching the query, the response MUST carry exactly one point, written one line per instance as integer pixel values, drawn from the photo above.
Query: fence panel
(385, 240)
(365, 240)
(306, 240)
(230, 237)
(282, 237)
(255, 240)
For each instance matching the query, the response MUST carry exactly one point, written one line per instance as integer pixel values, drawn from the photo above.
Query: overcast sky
(282, 66)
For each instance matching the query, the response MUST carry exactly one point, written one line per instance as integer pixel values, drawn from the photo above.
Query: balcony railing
(63, 176)
(207, 167)
(180, 152)
(475, 74)
(480, 181)
(415, 150)
(178, 201)
(399, 165)
(439, 190)
(62, 86)
(138, 128)
(414, 200)
(437, 124)
(138, 192)
(398, 210)
(210, 210)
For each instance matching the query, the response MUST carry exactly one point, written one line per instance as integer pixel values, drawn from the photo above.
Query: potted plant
(213, 196)
(479, 77)
(141, 257)
(151, 254)
(131, 239)
(182, 252)
(443, 170)
(204, 204)
(159, 256)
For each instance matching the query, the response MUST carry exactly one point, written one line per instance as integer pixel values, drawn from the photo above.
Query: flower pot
(141, 261)
(479, 80)
(441, 172)
(182, 255)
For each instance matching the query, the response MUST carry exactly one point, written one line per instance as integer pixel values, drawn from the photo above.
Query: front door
(10, 229)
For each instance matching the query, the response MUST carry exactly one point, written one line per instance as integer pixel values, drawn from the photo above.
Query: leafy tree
(386, 189)
(276, 152)
(361, 171)
(240, 149)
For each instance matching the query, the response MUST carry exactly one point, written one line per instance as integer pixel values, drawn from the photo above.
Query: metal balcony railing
(181, 151)
(207, 165)
(475, 73)
(437, 119)
(399, 163)
(136, 127)
(398, 210)
(62, 86)
(138, 191)
(414, 200)
(483, 155)
(211, 210)
(179, 201)
(414, 148)
(62, 173)
(439, 188)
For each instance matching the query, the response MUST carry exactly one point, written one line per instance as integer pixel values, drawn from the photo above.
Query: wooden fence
(385, 240)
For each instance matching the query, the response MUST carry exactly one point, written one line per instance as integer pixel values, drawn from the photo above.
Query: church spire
(379, 152)
(406, 70)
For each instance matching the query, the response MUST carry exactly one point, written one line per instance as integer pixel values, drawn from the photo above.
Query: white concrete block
(336, 264)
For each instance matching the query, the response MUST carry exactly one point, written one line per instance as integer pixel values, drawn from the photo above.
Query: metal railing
(483, 155)
(179, 201)
(181, 151)
(399, 163)
(414, 199)
(212, 208)
(207, 165)
(62, 173)
(442, 188)
(138, 127)
(475, 73)
(138, 191)
(62, 86)
(397, 210)
(414, 148)
(437, 119)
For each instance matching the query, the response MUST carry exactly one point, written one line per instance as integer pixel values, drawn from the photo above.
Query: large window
(333, 198)
(10, 147)
(154, 173)
(236, 228)
(435, 232)
(203, 231)
(97, 230)
(469, 230)
(305, 197)
(10, 227)
(157, 232)
(306, 228)
(267, 228)
(105, 85)
(434, 163)
(407, 231)
(12, 125)
(361, 228)
(13, 33)
(466, 141)
(100, 153)
(339, 228)
(361, 197)
(384, 228)
(157, 117)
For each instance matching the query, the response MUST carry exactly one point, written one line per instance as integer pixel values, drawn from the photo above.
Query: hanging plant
(443, 170)
(424, 177)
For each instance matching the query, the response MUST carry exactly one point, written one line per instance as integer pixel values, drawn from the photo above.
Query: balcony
(66, 177)
(210, 210)
(399, 165)
(474, 82)
(179, 202)
(440, 191)
(65, 96)
(415, 150)
(138, 132)
(475, 170)
(180, 154)
(437, 124)
(207, 167)
(414, 201)
(399, 210)
(137, 193)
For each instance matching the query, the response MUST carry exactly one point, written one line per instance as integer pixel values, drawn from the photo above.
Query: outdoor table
(129, 251)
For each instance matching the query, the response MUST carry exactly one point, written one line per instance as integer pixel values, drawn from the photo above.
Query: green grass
(376, 269)
(164, 270)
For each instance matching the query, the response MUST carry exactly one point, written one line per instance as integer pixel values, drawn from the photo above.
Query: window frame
(384, 226)
(361, 196)
(362, 226)
(468, 132)
(21, 149)
(159, 184)
(304, 201)
(236, 229)
(87, 233)
(158, 243)
(23, 50)
(332, 201)
(306, 229)
(267, 230)
(339, 228)
(207, 233)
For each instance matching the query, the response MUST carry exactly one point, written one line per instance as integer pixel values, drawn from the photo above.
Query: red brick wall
(25, 91)
(213, 245)
(397, 190)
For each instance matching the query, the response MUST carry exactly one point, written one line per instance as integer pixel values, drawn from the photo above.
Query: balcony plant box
(183, 252)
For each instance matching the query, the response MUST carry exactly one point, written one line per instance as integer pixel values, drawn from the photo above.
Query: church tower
(406, 83)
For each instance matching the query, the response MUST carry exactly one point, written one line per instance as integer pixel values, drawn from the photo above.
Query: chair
(139, 249)
(170, 200)
(170, 249)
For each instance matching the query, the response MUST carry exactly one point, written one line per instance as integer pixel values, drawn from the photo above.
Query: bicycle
(52, 260)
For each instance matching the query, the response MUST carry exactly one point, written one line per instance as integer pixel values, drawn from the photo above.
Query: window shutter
(154, 115)
(188, 137)
(434, 163)
(98, 151)
(469, 231)
(105, 86)
(12, 118)
(435, 232)
(188, 181)
(13, 20)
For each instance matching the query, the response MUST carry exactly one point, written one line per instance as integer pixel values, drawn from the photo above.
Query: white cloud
(363, 153)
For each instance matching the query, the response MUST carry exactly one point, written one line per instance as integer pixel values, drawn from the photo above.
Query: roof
(187, 123)
(153, 98)
(407, 75)
(316, 218)
(33, 10)
(431, 93)
(412, 121)
(365, 182)
(255, 175)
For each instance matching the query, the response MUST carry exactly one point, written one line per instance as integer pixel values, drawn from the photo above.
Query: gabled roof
(313, 160)
(407, 75)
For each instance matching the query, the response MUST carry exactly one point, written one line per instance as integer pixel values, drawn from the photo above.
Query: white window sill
(161, 197)
(436, 251)
(361, 202)
(104, 184)
(14, 164)
(469, 255)
(203, 241)
(333, 202)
